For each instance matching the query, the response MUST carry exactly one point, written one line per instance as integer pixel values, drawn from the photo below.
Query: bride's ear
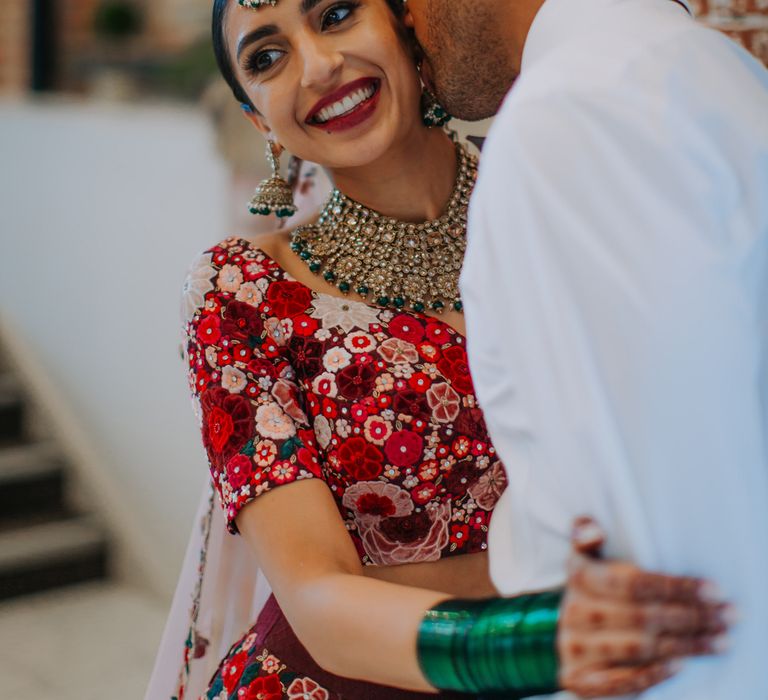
(253, 116)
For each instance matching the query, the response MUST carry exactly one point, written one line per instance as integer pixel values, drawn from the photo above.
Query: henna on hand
(622, 629)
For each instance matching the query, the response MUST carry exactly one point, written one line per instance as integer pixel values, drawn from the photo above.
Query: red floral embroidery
(409, 528)
(264, 688)
(209, 330)
(241, 321)
(373, 504)
(360, 459)
(411, 403)
(227, 422)
(295, 385)
(406, 327)
(455, 367)
(424, 493)
(404, 448)
(239, 470)
(308, 355)
(233, 669)
(304, 326)
(437, 333)
(288, 298)
(356, 381)
(459, 535)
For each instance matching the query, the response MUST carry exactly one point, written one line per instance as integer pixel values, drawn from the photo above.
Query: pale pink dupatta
(221, 589)
(226, 601)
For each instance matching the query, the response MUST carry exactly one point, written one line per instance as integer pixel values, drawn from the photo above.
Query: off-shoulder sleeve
(254, 428)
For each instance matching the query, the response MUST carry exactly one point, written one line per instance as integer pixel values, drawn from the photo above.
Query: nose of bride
(321, 64)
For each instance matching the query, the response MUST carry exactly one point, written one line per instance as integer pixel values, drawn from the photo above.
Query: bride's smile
(332, 81)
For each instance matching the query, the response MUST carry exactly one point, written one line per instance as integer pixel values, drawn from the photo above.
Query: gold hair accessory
(256, 4)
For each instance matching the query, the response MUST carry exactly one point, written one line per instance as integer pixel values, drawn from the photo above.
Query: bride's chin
(355, 151)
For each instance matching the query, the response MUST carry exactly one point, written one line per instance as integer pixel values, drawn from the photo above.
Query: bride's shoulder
(270, 247)
(275, 244)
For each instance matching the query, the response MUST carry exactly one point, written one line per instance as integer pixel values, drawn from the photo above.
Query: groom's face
(466, 58)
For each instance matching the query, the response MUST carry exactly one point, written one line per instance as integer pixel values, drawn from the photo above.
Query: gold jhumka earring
(274, 195)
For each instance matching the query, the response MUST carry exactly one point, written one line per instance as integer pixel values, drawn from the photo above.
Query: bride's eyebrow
(308, 5)
(254, 36)
(271, 29)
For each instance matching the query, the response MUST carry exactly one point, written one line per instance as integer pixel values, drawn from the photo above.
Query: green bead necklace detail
(396, 264)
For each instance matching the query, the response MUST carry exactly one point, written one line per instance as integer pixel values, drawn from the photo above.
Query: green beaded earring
(274, 195)
(432, 112)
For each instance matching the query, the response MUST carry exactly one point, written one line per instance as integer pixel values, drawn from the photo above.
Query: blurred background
(121, 158)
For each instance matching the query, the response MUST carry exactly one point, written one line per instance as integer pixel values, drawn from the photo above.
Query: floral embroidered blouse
(293, 384)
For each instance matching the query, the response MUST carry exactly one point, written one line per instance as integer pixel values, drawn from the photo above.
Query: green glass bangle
(495, 645)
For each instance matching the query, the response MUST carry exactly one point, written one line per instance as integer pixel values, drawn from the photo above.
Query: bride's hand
(623, 629)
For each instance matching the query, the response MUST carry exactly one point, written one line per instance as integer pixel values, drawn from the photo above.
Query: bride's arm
(463, 576)
(364, 628)
(351, 625)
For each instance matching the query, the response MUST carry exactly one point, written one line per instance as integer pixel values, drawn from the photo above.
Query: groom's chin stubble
(469, 57)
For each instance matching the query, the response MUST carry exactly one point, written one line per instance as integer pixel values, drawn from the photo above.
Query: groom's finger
(604, 681)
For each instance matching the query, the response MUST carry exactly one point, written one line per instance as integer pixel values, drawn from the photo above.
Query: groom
(615, 286)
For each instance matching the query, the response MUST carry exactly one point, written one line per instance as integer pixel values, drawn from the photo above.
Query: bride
(346, 446)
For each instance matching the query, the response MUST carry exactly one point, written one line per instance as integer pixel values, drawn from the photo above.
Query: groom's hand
(623, 629)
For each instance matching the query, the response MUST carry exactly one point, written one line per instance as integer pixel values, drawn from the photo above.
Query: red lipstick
(357, 115)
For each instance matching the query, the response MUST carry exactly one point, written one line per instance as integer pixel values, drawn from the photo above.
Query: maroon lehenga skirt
(270, 663)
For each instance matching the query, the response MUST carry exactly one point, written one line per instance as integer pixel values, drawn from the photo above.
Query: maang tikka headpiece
(256, 4)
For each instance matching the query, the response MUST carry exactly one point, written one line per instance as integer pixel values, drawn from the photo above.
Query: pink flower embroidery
(356, 495)
(385, 551)
(285, 395)
(306, 689)
(488, 488)
(397, 351)
(444, 402)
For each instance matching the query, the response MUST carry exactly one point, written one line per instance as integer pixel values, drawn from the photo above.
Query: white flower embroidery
(336, 359)
(323, 431)
(250, 294)
(272, 422)
(343, 313)
(230, 278)
(198, 283)
(233, 380)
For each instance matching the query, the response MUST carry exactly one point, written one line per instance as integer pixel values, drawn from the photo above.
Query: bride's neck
(411, 182)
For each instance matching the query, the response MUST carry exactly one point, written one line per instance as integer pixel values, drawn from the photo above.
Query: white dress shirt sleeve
(612, 307)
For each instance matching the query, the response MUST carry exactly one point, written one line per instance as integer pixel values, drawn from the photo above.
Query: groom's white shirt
(615, 288)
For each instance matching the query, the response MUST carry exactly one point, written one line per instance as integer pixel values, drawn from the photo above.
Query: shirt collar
(559, 20)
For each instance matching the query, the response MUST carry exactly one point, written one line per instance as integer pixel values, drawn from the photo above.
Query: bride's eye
(260, 61)
(337, 14)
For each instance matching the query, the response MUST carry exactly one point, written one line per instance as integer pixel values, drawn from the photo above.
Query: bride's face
(333, 81)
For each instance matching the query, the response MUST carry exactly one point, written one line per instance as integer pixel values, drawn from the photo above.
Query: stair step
(11, 407)
(48, 555)
(31, 480)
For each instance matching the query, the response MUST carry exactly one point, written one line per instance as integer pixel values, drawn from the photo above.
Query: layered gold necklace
(396, 264)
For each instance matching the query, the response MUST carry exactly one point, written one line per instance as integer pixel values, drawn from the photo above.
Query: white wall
(102, 208)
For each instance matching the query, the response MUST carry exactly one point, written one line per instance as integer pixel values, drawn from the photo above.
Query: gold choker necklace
(395, 263)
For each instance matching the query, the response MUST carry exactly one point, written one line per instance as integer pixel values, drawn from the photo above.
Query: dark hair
(223, 59)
